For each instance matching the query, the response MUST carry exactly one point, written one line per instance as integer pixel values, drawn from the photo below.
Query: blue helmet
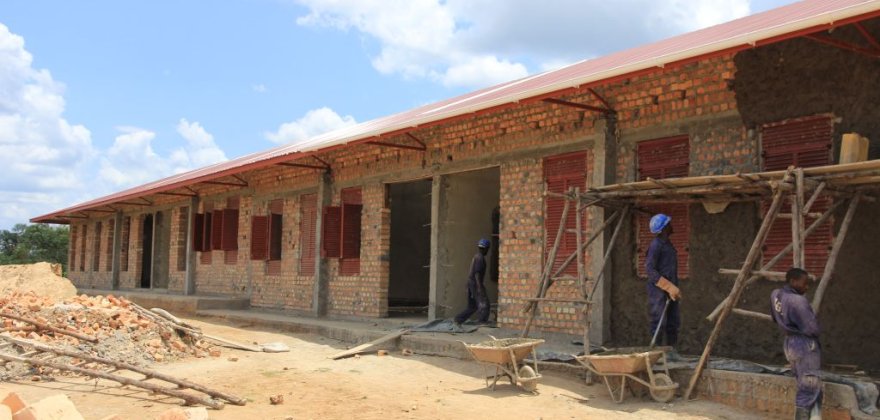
(658, 222)
(483, 243)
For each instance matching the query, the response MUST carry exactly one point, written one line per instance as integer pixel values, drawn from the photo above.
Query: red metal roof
(759, 29)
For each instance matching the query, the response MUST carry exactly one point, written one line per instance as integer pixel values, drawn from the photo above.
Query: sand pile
(41, 278)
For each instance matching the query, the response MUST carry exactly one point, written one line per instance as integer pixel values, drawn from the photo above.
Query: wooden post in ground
(544, 283)
(835, 251)
(797, 202)
(581, 271)
(739, 285)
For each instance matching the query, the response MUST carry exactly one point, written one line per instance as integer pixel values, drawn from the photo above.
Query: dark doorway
(409, 284)
(147, 246)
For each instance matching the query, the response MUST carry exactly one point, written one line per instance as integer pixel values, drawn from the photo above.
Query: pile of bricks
(122, 331)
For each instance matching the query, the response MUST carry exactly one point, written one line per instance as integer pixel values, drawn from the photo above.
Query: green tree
(30, 243)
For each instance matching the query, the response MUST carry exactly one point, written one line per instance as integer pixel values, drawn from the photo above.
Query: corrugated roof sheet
(773, 25)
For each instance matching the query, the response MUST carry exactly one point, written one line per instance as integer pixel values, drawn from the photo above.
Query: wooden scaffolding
(845, 184)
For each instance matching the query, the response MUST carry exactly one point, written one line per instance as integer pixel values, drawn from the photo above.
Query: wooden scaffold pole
(739, 284)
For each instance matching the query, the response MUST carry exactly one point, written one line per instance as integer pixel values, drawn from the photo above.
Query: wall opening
(469, 211)
(147, 253)
(409, 283)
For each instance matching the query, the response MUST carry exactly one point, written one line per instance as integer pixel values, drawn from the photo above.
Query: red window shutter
(259, 238)
(230, 230)
(207, 231)
(198, 233)
(351, 230)
(217, 230)
(275, 232)
(307, 221)
(802, 142)
(332, 232)
(561, 173)
(665, 158)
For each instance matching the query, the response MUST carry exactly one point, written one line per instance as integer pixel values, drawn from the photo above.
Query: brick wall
(689, 99)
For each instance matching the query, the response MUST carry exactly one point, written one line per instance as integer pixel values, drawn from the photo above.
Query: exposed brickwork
(696, 92)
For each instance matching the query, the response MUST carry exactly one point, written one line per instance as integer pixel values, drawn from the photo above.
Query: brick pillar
(117, 247)
(189, 282)
(603, 173)
(322, 271)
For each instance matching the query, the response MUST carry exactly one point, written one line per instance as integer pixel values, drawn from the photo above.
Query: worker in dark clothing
(794, 315)
(661, 265)
(478, 300)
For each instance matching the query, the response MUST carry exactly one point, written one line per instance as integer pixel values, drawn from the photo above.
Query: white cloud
(259, 88)
(132, 160)
(50, 163)
(474, 43)
(40, 151)
(315, 122)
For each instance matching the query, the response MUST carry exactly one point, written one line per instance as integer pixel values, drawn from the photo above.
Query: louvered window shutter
(217, 230)
(259, 238)
(351, 230)
(332, 232)
(658, 159)
(561, 173)
(802, 142)
(230, 230)
(308, 218)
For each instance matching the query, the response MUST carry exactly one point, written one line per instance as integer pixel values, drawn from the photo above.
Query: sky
(100, 95)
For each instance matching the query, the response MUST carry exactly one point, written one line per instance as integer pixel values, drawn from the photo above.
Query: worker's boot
(801, 413)
(816, 412)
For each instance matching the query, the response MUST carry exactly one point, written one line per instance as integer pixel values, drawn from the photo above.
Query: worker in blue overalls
(794, 315)
(477, 298)
(661, 265)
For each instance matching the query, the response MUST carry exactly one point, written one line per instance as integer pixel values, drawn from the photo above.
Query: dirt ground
(367, 387)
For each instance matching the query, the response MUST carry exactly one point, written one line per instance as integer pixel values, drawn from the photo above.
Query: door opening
(409, 283)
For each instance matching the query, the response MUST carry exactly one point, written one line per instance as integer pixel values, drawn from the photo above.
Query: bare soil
(41, 278)
(365, 387)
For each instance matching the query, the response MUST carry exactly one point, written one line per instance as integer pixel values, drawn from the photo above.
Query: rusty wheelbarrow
(616, 366)
(507, 355)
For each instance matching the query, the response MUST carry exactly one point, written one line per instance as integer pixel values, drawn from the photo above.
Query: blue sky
(100, 95)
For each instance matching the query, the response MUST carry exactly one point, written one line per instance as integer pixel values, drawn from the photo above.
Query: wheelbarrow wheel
(662, 395)
(528, 379)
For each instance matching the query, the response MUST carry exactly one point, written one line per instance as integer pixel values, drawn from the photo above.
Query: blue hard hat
(658, 222)
(483, 243)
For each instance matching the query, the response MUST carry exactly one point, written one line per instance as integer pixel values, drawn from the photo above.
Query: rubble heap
(123, 331)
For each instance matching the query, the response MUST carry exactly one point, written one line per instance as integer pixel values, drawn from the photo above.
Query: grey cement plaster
(465, 210)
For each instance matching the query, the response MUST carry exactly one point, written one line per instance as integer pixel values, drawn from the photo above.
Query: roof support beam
(100, 211)
(301, 165)
(867, 35)
(578, 105)
(416, 139)
(399, 146)
(129, 203)
(190, 189)
(178, 194)
(870, 52)
(324, 162)
(601, 99)
(241, 182)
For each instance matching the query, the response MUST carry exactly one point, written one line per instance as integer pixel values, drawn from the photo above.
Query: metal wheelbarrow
(616, 366)
(507, 355)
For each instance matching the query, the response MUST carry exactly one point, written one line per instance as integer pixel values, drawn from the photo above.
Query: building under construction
(381, 219)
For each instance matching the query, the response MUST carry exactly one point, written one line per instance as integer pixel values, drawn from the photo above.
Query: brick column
(117, 247)
(322, 272)
(189, 282)
(603, 173)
